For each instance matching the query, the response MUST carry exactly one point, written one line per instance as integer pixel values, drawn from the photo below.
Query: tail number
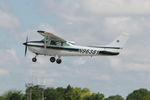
(88, 51)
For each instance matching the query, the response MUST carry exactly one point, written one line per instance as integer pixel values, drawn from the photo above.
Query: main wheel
(52, 59)
(58, 61)
(34, 59)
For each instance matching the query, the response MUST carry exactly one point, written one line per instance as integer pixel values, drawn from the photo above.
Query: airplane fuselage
(38, 48)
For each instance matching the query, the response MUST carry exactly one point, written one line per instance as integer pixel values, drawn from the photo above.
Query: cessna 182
(55, 46)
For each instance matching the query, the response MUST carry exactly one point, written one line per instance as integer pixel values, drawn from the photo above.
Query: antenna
(29, 90)
(42, 87)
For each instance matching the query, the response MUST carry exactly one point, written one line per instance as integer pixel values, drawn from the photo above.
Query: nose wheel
(34, 59)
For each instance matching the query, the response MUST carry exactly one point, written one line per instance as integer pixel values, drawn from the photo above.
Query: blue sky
(88, 22)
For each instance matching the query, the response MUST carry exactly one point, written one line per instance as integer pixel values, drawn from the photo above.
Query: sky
(87, 22)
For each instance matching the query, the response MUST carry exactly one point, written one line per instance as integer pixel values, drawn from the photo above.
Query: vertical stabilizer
(120, 41)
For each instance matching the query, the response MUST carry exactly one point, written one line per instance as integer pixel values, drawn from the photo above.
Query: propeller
(26, 47)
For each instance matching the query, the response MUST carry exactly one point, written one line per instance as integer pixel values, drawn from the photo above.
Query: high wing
(51, 36)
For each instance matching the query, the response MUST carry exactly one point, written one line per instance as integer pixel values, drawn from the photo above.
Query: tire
(34, 59)
(52, 59)
(58, 61)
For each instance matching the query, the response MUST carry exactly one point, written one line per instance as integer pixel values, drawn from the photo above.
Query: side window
(53, 43)
(58, 43)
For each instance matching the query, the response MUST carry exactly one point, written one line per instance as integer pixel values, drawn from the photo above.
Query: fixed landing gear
(58, 61)
(52, 59)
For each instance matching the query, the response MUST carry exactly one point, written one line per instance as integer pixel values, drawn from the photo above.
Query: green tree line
(70, 93)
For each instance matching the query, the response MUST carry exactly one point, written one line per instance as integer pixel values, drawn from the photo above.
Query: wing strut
(45, 44)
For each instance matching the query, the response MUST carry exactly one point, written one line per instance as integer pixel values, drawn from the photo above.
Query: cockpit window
(58, 43)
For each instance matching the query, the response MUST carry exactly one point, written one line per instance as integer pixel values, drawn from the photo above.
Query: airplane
(55, 46)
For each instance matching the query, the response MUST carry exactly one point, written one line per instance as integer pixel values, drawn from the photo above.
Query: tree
(1, 98)
(36, 93)
(116, 97)
(94, 96)
(13, 95)
(68, 93)
(77, 92)
(97, 96)
(141, 94)
(54, 94)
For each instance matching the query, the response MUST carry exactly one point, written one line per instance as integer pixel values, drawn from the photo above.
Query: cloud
(89, 10)
(3, 72)
(131, 59)
(43, 76)
(4, 6)
(138, 53)
(8, 20)
(131, 7)
(76, 18)
(80, 61)
(138, 67)
(61, 9)
(89, 17)
(65, 68)
(115, 63)
(104, 77)
(123, 24)
(9, 56)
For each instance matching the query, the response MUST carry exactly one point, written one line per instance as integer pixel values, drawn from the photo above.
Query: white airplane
(55, 46)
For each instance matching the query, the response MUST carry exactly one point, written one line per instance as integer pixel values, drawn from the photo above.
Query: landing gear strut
(52, 59)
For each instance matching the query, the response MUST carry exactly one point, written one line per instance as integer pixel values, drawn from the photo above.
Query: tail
(114, 48)
(119, 42)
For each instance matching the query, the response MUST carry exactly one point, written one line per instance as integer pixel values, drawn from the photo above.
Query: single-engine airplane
(55, 46)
